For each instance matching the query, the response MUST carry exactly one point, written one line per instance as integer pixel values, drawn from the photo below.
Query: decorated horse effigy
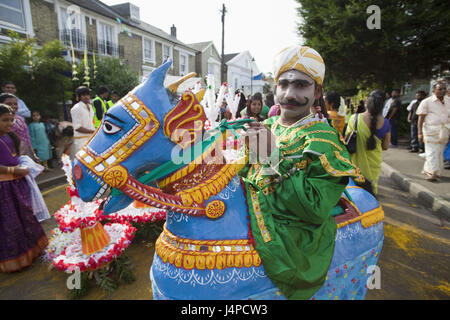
(148, 149)
(88, 242)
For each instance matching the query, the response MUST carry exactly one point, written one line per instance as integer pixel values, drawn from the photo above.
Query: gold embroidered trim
(359, 177)
(181, 173)
(259, 218)
(309, 141)
(213, 185)
(289, 138)
(205, 254)
(335, 172)
(367, 219)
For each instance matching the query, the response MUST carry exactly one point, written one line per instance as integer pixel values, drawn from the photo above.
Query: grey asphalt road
(414, 262)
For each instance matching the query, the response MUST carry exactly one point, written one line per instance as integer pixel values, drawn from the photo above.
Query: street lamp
(251, 76)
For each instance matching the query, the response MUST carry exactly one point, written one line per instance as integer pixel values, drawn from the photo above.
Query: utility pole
(222, 66)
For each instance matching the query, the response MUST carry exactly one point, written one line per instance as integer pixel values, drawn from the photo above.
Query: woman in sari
(373, 136)
(20, 126)
(22, 238)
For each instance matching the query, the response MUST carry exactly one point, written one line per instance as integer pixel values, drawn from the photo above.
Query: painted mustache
(295, 102)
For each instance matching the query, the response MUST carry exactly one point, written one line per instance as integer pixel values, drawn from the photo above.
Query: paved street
(414, 263)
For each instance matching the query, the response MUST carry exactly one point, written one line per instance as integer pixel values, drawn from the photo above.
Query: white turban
(301, 58)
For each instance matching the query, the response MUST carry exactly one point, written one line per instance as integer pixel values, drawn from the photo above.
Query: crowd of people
(25, 150)
(379, 120)
(299, 115)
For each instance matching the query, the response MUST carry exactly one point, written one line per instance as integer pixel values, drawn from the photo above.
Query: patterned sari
(22, 238)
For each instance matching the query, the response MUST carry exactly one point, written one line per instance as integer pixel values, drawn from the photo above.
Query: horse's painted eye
(110, 128)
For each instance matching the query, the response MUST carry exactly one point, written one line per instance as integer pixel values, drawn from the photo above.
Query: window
(71, 29)
(12, 14)
(166, 52)
(149, 50)
(211, 68)
(106, 43)
(183, 64)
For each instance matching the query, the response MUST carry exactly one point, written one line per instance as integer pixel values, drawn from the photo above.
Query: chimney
(173, 31)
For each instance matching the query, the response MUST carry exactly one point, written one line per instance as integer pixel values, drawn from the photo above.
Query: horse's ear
(156, 78)
(174, 86)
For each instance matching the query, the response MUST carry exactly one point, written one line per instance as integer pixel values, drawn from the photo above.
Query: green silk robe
(290, 216)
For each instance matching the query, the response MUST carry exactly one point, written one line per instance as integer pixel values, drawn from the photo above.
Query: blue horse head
(123, 141)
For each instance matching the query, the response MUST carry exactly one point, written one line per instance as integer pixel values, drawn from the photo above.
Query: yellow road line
(407, 227)
(54, 189)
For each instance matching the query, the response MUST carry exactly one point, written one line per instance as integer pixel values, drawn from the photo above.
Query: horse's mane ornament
(206, 250)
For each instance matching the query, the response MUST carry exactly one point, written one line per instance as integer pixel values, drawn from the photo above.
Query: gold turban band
(301, 58)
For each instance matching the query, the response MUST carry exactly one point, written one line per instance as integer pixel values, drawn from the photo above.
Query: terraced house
(112, 31)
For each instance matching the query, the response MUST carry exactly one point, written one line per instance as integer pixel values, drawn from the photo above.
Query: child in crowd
(255, 107)
(39, 140)
(22, 237)
(20, 127)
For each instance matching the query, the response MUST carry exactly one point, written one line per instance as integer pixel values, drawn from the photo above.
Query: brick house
(208, 60)
(111, 31)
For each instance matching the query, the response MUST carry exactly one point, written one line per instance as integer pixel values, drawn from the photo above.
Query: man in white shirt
(387, 104)
(433, 128)
(82, 119)
(9, 87)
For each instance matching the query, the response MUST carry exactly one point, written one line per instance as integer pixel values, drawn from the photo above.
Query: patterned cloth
(22, 237)
(21, 129)
(301, 58)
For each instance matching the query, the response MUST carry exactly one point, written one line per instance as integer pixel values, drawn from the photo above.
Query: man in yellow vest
(100, 106)
(114, 98)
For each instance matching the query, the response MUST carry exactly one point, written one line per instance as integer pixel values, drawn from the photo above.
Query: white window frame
(170, 51)
(114, 37)
(28, 22)
(81, 25)
(152, 59)
(186, 71)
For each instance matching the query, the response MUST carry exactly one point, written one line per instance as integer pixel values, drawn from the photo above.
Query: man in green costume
(290, 199)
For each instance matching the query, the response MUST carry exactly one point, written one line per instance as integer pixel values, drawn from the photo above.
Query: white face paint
(296, 94)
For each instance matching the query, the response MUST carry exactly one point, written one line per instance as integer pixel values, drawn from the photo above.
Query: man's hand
(260, 140)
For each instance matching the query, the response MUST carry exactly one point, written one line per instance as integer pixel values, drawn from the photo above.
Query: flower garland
(136, 215)
(77, 214)
(58, 242)
(72, 257)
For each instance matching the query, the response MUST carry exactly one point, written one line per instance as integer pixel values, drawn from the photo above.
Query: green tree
(412, 41)
(37, 73)
(110, 73)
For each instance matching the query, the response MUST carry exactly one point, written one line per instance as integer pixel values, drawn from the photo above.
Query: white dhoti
(434, 158)
(435, 139)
